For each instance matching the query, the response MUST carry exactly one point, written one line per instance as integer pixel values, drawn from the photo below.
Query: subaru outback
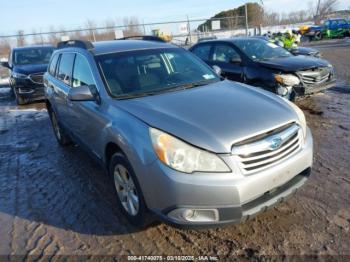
(181, 144)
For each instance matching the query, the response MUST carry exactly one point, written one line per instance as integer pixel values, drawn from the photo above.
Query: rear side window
(334, 23)
(203, 52)
(65, 68)
(52, 67)
(81, 73)
(224, 53)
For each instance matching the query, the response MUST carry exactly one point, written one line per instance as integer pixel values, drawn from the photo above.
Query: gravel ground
(57, 201)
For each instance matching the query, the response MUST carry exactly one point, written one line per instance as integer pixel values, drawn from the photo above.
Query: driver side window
(224, 53)
(82, 75)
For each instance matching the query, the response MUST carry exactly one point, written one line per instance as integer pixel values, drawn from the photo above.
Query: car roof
(231, 40)
(32, 47)
(115, 46)
(126, 45)
(334, 19)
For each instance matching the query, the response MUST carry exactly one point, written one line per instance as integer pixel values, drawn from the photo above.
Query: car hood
(212, 117)
(294, 63)
(304, 51)
(30, 69)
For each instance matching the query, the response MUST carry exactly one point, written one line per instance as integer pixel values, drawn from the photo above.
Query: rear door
(203, 51)
(50, 78)
(227, 58)
(61, 86)
(343, 24)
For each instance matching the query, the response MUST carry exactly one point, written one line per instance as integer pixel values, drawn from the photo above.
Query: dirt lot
(58, 201)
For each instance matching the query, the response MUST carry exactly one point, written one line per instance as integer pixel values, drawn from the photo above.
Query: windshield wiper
(196, 84)
(161, 91)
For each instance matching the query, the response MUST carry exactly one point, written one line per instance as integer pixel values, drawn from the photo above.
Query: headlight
(184, 157)
(288, 80)
(331, 69)
(301, 116)
(19, 75)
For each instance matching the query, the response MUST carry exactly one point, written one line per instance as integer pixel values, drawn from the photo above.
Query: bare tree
(53, 37)
(323, 8)
(91, 32)
(5, 47)
(132, 27)
(37, 38)
(21, 41)
(271, 18)
(107, 34)
(78, 35)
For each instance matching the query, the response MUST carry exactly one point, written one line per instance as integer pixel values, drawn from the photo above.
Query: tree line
(90, 31)
(259, 16)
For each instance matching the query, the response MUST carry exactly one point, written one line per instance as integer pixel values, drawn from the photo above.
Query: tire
(318, 36)
(130, 201)
(20, 100)
(62, 138)
(12, 92)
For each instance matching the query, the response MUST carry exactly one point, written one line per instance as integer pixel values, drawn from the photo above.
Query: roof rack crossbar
(143, 37)
(75, 43)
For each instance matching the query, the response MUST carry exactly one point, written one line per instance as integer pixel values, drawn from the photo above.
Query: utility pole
(318, 9)
(189, 30)
(246, 19)
(144, 27)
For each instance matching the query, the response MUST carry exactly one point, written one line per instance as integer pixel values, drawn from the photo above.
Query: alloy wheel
(55, 126)
(126, 190)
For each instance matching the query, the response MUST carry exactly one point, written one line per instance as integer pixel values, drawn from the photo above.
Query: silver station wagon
(180, 143)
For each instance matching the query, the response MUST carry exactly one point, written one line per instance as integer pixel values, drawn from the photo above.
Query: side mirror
(236, 60)
(217, 70)
(83, 93)
(6, 64)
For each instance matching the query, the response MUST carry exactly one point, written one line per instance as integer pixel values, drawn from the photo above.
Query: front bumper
(233, 196)
(26, 88)
(313, 89)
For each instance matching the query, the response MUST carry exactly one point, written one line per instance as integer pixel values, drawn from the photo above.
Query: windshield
(258, 49)
(32, 56)
(146, 72)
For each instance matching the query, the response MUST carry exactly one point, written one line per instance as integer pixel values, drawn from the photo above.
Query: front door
(86, 117)
(228, 60)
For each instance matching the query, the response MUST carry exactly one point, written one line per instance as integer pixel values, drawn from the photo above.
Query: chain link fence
(186, 31)
(181, 32)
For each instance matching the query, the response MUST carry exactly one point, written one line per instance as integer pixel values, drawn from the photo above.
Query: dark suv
(27, 66)
(263, 64)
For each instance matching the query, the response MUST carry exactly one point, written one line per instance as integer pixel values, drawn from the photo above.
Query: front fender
(131, 135)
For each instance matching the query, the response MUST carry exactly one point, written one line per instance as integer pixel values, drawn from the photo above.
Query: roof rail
(144, 37)
(75, 43)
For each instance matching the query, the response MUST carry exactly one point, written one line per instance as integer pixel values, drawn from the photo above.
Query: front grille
(268, 149)
(315, 76)
(37, 78)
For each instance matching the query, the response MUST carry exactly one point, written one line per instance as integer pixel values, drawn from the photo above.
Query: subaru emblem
(276, 143)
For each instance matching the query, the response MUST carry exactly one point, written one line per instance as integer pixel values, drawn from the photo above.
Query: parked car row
(330, 28)
(255, 61)
(181, 143)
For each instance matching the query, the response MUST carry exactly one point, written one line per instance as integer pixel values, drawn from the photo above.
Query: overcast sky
(41, 14)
